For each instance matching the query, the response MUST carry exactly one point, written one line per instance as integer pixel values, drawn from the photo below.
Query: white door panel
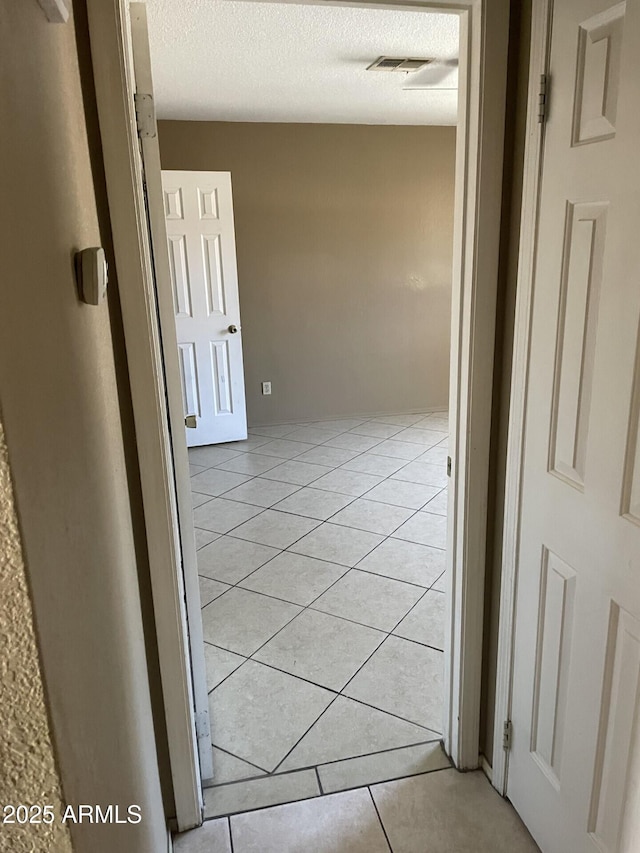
(574, 768)
(202, 255)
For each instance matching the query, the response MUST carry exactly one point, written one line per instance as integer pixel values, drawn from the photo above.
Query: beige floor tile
(369, 599)
(440, 504)
(406, 561)
(425, 623)
(353, 441)
(458, 812)
(438, 421)
(277, 529)
(341, 424)
(402, 493)
(250, 463)
(241, 621)
(210, 589)
(382, 766)
(221, 516)
(210, 455)
(293, 577)
(215, 481)
(195, 469)
(273, 431)
(348, 482)
(229, 560)
(321, 649)
(426, 437)
(424, 470)
(260, 793)
(403, 678)
(247, 445)
(228, 768)
(369, 463)
(377, 430)
(399, 419)
(261, 713)
(343, 545)
(425, 528)
(314, 503)
(299, 473)
(338, 823)
(399, 449)
(204, 537)
(323, 455)
(348, 729)
(284, 449)
(373, 516)
(261, 492)
(313, 434)
(436, 456)
(219, 664)
(440, 585)
(211, 837)
(197, 499)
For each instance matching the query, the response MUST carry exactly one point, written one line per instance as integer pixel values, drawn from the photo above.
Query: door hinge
(507, 734)
(543, 97)
(202, 725)
(145, 115)
(448, 466)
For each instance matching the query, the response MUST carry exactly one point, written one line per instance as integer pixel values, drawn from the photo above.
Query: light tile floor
(321, 560)
(436, 812)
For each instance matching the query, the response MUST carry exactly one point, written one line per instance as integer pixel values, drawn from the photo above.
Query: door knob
(191, 422)
(233, 329)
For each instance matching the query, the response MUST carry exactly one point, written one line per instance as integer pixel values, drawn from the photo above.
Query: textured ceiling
(223, 60)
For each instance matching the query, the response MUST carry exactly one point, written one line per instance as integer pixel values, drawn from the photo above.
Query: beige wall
(29, 773)
(344, 243)
(68, 444)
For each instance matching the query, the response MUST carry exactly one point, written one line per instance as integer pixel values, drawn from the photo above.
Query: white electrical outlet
(266, 388)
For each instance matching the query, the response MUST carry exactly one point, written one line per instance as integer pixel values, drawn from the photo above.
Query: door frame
(478, 192)
(533, 161)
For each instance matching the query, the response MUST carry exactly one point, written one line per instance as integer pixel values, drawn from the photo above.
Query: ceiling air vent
(402, 63)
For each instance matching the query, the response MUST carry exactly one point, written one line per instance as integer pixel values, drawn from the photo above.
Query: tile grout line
(319, 781)
(230, 834)
(380, 819)
(272, 774)
(309, 484)
(359, 787)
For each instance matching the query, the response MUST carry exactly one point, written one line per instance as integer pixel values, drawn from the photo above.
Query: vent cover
(401, 63)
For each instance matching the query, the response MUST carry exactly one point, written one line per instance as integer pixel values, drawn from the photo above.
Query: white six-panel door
(574, 769)
(202, 255)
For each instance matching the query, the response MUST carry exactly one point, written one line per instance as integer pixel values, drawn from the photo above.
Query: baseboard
(429, 411)
(486, 767)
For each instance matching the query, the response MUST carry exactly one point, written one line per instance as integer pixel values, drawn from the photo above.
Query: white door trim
(534, 149)
(110, 36)
(166, 314)
(484, 27)
(484, 36)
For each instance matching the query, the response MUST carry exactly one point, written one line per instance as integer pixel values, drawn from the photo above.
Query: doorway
(323, 535)
(476, 225)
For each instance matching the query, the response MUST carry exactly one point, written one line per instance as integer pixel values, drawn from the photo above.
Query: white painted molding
(111, 53)
(486, 768)
(534, 146)
(484, 28)
(55, 10)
